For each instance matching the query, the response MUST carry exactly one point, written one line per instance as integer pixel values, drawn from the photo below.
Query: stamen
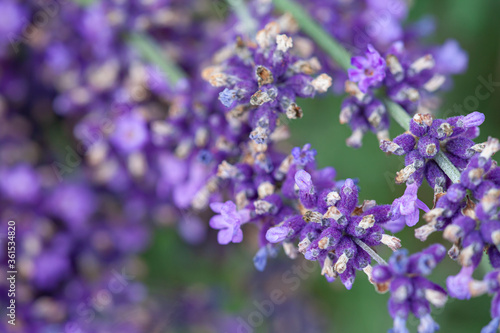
(392, 242)
(284, 42)
(436, 298)
(435, 83)
(367, 222)
(422, 63)
(322, 83)
(290, 250)
(341, 264)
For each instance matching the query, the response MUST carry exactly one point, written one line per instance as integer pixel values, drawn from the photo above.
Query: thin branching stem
(370, 251)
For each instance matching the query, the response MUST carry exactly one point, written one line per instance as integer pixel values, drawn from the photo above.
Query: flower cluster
(336, 232)
(410, 291)
(263, 78)
(408, 78)
(426, 138)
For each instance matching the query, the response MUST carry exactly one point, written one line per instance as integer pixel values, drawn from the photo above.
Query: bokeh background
(210, 282)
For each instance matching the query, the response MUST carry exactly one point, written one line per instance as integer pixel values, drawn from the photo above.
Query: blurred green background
(316, 306)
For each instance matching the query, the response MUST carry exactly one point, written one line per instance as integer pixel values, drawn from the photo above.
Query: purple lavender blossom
(410, 290)
(305, 155)
(405, 210)
(265, 78)
(428, 136)
(337, 231)
(130, 133)
(369, 71)
(20, 183)
(228, 222)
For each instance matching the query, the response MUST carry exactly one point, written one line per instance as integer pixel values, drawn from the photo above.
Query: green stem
(152, 53)
(316, 32)
(343, 58)
(370, 251)
(448, 167)
(398, 113)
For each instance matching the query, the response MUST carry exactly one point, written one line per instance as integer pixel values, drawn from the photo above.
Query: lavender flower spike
(228, 221)
(410, 290)
(369, 71)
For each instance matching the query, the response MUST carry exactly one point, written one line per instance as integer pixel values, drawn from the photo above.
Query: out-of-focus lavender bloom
(72, 203)
(130, 133)
(20, 183)
(450, 58)
(304, 155)
(410, 291)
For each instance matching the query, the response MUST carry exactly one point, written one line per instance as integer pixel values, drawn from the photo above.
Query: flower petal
(218, 222)
(224, 236)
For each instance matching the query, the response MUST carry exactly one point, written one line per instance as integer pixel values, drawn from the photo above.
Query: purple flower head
(228, 221)
(73, 203)
(130, 133)
(369, 71)
(51, 267)
(305, 155)
(339, 231)
(451, 137)
(265, 77)
(364, 113)
(451, 58)
(20, 183)
(410, 291)
(405, 210)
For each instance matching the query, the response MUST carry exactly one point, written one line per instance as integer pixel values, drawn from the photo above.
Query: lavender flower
(369, 71)
(304, 155)
(337, 232)
(468, 221)
(410, 290)
(491, 285)
(405, 210)
(228, 222)
(428, 136)
(265, 79)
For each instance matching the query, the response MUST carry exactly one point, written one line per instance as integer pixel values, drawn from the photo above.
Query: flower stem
(316, 32)
(152, 53)
(398, 113)
(370, 251)
(338, 53)
(447, 167)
